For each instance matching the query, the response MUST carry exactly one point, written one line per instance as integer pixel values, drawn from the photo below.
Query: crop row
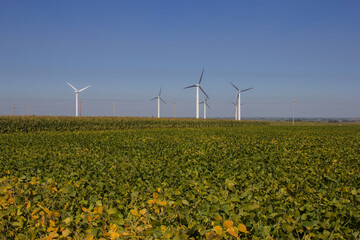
(35, 123)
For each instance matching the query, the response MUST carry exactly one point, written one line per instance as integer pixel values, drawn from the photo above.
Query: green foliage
(243, 181)
(10, 124)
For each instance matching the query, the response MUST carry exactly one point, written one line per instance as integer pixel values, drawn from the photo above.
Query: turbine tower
(77, 97)
(236, 115)
(205, 105)
(238, 103)
(159, 98)
(197, 93)
(236, 110)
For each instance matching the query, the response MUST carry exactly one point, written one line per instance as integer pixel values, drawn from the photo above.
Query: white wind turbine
(77, 97)
(238, 103)
(158, 102)
(236, 115)
(197, 93)
(205, 105)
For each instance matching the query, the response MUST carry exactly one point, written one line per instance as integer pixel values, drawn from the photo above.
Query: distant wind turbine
(158, 102)
(236, 109)
(238, 100)
(236, 115)
(77, 97)
(197, 93)
(205, 105)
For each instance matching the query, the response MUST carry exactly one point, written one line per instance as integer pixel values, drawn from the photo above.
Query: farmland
(129, 178)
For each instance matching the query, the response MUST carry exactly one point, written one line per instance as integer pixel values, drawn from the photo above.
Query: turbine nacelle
(77, 96)
(159, 99)
(238, 90)
(197, 85)
(238, 104)
(77, 91)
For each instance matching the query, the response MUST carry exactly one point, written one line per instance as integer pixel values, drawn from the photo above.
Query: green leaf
(251, 207)
(287, 227)
(112, 211)
(185, 202)
(21, 236)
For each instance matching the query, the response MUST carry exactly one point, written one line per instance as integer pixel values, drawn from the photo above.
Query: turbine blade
(202, 73)
(233, 103)
(246, 89)
(163, 100)
(208, 105)
(160, 92)
(72, 86)
(83, 88)
(234, 86)
(153, 98)
(203, 91)
(190, 86)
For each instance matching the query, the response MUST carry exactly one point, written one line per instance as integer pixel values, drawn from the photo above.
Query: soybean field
(134, 178)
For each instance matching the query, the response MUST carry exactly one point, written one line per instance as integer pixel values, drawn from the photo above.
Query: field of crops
(120, 178)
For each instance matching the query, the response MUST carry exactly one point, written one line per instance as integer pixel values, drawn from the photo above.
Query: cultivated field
(132, 178)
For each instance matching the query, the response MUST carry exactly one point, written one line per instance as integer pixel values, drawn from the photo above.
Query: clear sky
(127, 50)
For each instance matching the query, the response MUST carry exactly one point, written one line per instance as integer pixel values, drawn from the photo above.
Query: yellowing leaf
(242, 228)
(134, 212)
(232, 232)
(67, 220)
(218, 230)
(28, 205)
(84, 209)
(99, 210)
(163, 229)
(115, 235)
(52, 223)
(113, 227)
(218, 217)
(66, 232)
(143, 211)
(228, 224)
(52, 235)
(52, 229)
(155, 195)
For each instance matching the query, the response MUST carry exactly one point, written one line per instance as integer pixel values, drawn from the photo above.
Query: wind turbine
(238, 100)
(205, 105)
(77, 97)
(197, 93)
(236, 115)
(159, 98)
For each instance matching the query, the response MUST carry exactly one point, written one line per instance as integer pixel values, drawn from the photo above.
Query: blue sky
(127, 50)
